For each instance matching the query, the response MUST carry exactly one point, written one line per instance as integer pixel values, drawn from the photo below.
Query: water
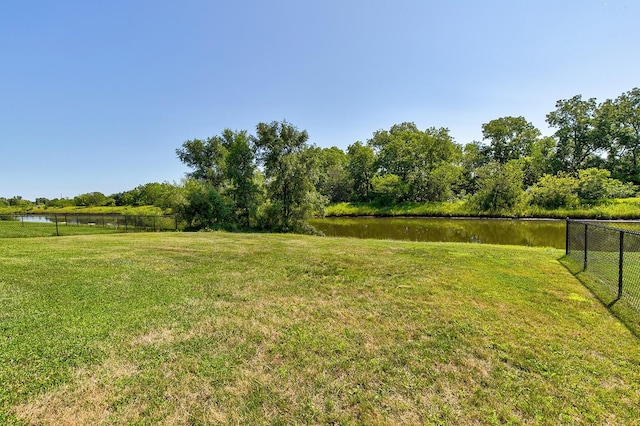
(36, 219)
(523, 232)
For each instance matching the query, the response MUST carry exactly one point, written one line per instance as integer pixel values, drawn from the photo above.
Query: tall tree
(620, 120)
(412, 154)
(334, 182)
(361, 169)
(226, 164)
(578, 139)
(510, 138)
(206, 158)
(291, 172)
(240, 170)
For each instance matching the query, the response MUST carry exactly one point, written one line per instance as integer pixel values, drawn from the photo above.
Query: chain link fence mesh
(23, 225)
(610, 254)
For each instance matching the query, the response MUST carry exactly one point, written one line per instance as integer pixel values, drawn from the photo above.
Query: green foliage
(619, 120)
(240, 170)
(226, 163)
(388, 189)
(361, 169)
(206, 158)
(163, 195)
(334, 182)
(412, 156)
(499, 187)
(93, 199)
(510, 138)
(577, 134)
(204, 207)
(291, 170)
(436, 184)
(554, 191)
(60, 203)
(596, 184)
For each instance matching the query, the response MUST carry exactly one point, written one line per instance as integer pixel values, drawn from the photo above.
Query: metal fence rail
(610, 254)
(40, 225)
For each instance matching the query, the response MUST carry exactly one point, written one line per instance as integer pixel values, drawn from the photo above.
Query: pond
(523, 232)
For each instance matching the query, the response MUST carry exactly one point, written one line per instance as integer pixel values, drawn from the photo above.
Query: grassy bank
(129, 210)
(180, 328)
(624, 208)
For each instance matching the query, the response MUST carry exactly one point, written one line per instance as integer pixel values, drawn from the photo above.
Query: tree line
(275, 179)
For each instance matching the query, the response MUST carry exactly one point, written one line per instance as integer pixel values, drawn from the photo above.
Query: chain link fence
(609, 254)
(39, 225)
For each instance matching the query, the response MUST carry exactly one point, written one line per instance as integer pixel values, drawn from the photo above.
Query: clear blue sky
(97, 95)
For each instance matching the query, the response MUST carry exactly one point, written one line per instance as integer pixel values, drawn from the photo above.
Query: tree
(554, 191)
(579, 141)
(18, 201)
(291, 172)
(334, 182)
(91, 199)
(620, 121)
(595, 184)
(499, 187)
(203, 207)
(240, 170)
(388, 189)
(510, 138)
(361, 169)
(206, 158)
(412, 154)
(227, 163)
(474, 156)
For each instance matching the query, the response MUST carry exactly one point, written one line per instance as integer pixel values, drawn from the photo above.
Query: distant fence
(40, 225)
(609, 254)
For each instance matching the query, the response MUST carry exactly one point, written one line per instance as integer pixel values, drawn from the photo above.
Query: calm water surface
(524, 232)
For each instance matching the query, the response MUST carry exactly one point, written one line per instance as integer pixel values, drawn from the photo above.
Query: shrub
(552, 192)
(499, 187)
(595, 184)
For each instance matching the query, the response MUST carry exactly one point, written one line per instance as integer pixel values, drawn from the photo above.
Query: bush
(596, 184)
(388, 189)
(552, 192)
(499, 187)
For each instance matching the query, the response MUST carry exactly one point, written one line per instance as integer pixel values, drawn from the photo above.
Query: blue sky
(97, 95)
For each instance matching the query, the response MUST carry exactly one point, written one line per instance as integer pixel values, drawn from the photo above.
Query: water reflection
(537, 233)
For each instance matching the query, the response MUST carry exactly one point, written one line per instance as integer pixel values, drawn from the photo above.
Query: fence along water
(25, 225)
(609, 254)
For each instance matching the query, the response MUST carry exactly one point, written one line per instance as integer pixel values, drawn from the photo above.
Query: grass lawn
(17, 229)
(206, 328)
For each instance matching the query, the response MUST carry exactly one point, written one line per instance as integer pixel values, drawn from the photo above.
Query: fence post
(586, 234)
(154, 224)
(57, 231)
(566, 239)
(620, 265)
(176, 219)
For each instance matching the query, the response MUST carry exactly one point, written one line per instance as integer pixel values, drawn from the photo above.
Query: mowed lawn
(218, 328)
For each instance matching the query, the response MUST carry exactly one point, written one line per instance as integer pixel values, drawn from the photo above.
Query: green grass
(98, 225)
(17, 229)
(178, 328)
(128, 210)
(624, 208)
